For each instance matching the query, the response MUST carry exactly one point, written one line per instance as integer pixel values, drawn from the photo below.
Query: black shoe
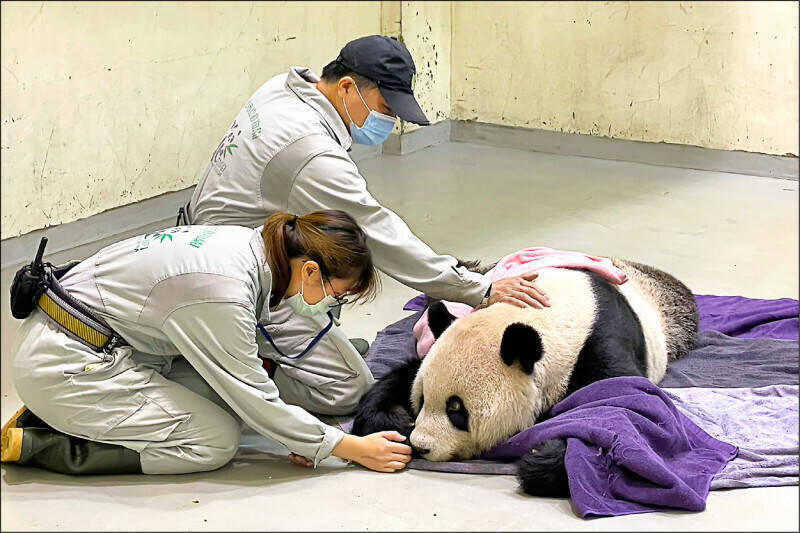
(361, 346)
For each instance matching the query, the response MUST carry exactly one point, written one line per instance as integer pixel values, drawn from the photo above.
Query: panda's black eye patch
(457, 413)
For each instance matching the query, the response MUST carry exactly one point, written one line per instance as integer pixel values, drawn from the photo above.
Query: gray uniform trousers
(160, 406)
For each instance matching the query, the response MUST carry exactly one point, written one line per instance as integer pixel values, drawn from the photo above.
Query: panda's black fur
(615, 347)
(542, 472)
(387, 405)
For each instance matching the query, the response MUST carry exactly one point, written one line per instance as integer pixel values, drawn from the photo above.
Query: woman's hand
(300, 460)
(520, 291)
(380, 451)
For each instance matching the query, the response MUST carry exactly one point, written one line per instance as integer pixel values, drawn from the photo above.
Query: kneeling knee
(220, 447)
(215, 443)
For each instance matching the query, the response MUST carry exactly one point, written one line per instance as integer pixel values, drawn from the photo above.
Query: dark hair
(332, 238)
(334, 71)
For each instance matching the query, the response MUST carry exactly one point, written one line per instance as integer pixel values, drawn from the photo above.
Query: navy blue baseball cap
(387, 62)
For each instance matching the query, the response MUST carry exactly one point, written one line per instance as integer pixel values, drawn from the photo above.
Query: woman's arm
(218, 340)
(380, 451)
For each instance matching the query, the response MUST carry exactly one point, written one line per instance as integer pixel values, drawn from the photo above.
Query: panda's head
(477, 385)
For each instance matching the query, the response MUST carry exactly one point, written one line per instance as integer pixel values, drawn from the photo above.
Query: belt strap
(184, 219)
(76, 319)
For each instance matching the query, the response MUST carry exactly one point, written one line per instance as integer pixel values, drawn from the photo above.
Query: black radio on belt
(29, 283)
(37, 285)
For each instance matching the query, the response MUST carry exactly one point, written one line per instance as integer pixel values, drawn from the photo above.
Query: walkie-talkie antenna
(40, 253)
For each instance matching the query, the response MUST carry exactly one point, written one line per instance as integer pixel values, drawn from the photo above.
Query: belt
(184, 218)
(76, 319)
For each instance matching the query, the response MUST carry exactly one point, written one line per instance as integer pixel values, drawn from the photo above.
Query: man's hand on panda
(520, 291)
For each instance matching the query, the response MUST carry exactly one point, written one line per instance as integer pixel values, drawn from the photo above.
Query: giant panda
(497, 371)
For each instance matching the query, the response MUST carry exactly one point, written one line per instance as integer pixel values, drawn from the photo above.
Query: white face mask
(300, 306)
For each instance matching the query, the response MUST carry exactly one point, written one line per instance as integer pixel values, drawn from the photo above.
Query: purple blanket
(746, 345)
(749, 318)
(629, 450)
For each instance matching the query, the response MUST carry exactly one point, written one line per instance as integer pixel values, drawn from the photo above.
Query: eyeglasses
(340, 299)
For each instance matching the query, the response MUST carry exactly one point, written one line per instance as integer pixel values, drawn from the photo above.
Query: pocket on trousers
(150, 422)
(101, 365)
(310, 378)
(320, 367)
(128, 417)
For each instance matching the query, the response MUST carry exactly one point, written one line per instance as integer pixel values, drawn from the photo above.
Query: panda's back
(598, 329)
(567, 323)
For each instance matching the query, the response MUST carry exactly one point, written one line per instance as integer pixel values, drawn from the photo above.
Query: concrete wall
(108, 103)
(426, 31)
(105, 104)
(713, 74)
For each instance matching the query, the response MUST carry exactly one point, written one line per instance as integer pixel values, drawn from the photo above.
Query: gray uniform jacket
(287, 151)
(199, 291)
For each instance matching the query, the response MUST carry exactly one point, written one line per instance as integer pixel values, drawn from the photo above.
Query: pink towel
(517, 264)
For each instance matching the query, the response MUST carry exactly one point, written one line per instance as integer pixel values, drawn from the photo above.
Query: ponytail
(274, 235)
(332, 238)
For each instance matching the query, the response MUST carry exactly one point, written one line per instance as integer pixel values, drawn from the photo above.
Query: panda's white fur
(647, 311)
(592, 330)
(563, 328)
(502, 400)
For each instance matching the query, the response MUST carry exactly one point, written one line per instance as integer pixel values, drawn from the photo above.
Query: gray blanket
(761, 421)
(721, 361)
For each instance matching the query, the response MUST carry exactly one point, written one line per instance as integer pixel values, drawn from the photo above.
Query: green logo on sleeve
(166, 235)
(198, 241)
(159, 236)
(225, 148)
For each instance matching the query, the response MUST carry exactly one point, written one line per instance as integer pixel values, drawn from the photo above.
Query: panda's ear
(439, 319)
(521, 343)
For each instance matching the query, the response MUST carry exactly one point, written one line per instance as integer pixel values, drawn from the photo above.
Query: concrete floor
(719, 233)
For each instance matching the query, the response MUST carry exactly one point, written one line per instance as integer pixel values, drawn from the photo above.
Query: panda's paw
(475, 266)
(396, 418)
(542, 472)
(387, 406)
(402, 421)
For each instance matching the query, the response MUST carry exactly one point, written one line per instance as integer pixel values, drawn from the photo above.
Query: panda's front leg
(542, 472)
(387, 405)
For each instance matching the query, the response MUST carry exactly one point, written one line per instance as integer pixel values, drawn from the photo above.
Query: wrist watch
(485, 300)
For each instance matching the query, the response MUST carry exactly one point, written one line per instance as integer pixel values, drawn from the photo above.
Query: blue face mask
(376, 128)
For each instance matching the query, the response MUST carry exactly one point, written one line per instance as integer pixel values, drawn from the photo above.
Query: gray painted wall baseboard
(359, 151)
(661, 154)
(120, 223)
(418, 139)
(115, 224)
(161, 211)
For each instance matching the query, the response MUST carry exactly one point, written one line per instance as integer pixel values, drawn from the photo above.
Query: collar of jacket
(300, 81)
(264, 275)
